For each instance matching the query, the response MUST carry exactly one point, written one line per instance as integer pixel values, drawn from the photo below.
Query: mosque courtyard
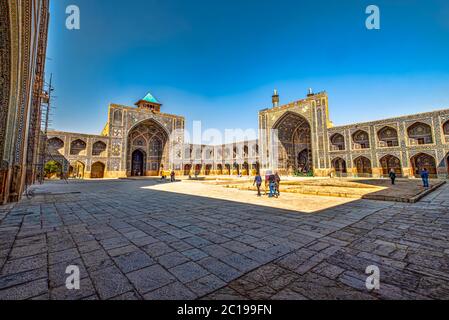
(144, 239)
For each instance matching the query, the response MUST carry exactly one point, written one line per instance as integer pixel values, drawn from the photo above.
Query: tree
(52, 168)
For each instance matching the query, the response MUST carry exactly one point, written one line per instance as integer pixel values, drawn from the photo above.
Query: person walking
(392, 175)
(258, 183)
(277, 181)
(172, 176)
(425, 177)
(272, 184)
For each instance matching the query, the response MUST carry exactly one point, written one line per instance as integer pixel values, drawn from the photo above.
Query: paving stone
(25, 264)
(96, 260)
(172, 259)
(143, 241)
(157, 249)
(173, 291)
(206, 285)
(195, 254)
(317, 287)
(240, 262)
(216, 251)
(62, 293)
(133, 261)
(110, 282)
(89, 246)
(25, 291)
(61, 256)
(237, 247)
(287, 294)
(122, 250)
(21, 252)
(197, 242)
(181, 246)
(128, 296)
(150, 278)
(57, 272)
(291, 254)
(220, 269)
(328, 270)
(11, 280)
(135, 235)
(188, 272)
(225, 294)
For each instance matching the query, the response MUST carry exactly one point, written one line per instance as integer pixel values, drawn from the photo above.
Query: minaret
(275, 99)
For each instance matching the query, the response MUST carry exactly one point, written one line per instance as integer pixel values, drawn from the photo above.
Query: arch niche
(147, 149)
(363, 166)
(389, 162)
(339, 165)
(421, 161)
(97, 170)
(294, 144)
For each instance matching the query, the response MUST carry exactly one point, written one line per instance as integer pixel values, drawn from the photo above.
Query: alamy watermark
(373, 20)
(73, 21)
(72, 282)
(373, 281)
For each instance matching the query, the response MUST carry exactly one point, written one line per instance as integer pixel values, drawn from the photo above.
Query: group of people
(424, 176)
(172, 176)
(272, 181)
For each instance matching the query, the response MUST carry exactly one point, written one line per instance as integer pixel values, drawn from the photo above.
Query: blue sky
(218, 61)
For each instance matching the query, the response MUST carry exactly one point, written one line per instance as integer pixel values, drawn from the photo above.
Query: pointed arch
(388, 137)
(389, 162)
(420, 133)
(339, 165)
(360, 139)
(99, 149)
(152, 141)
(97, 170)
(363, 166)
(337, 141)
(421, 161)
(294, 136)
(446, 131)
(55, 146)
(78, 147)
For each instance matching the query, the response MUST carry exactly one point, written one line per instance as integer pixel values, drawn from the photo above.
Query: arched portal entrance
(138, 163)
(294, 144)
(208, 169)
(390, 162)
(198, 168)
(219, 169)
(363, 166)
(340, 166)
(303, 164)
(421, 161)
(187, 169)
(150, 140)
(97, 171)
(77, 170)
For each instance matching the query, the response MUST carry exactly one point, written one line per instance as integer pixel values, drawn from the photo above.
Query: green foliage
(302, 174)
(52, 167)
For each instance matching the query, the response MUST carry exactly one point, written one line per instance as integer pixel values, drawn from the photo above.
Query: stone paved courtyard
(144, 240)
